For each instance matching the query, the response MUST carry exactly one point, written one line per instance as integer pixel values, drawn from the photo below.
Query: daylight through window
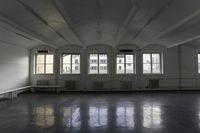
(44, 63)
(152, 63)
(98, 64)
(125, 64)
(70, 64)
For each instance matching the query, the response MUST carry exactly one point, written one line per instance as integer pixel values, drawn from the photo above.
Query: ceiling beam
(155, 15)
(99, 18)
(61, 9)
(10, 43)
(122, 29)
(40, 18)
(176, 14)
(25, 31)
(171, 45)
(183, 35)
(173, 27)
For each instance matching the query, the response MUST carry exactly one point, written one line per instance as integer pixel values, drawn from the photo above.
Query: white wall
(14, 67)
(190, 76)
(179, 67)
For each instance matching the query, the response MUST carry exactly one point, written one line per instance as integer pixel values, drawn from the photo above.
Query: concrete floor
(142, 112)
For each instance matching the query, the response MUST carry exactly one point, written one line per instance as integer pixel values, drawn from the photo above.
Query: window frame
(97, 64)
(198, 63)
(134, 63)
(35, 63)
(151, 64)
(61, 64)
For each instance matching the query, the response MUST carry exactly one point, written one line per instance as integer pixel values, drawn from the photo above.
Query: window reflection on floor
(199, 118)
(198, 114)
(98, 116)
(43, 116)
(71, 117)
(125, 116)
(151, 116)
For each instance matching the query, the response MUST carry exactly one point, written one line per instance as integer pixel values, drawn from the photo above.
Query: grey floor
(144, 112)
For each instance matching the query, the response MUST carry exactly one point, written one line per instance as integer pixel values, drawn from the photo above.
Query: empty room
(99, 66)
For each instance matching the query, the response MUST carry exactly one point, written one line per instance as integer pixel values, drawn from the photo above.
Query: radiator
(70, 84)
(153, 83)
(126, 85)
(98, 85)
(42, 82)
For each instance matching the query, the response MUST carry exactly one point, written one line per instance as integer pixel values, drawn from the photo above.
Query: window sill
(125, 74)
(98, 74)
(153, 73)
(44, 74)
(70, 74)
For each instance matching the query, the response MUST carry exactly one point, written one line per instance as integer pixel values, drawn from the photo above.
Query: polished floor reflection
(143, 112)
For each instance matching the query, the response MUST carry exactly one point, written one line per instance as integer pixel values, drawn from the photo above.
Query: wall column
(180, 67)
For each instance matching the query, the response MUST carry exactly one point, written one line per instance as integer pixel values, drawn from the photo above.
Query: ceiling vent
(42, 51)
(125, 50)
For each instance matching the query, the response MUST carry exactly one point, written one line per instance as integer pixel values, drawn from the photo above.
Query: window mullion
(160, 63)
(62, 64)
(133, 63)
(98, 63)
(151, 63)
(124, 63)
(79, 64)
(198, 61)
(71, 64)
(36, 64)
(45, 63)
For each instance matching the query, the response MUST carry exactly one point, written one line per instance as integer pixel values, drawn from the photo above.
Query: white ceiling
(57, 23)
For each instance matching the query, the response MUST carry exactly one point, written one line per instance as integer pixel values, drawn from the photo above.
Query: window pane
(199, 67)
(103, 64)
(155, 58)
(129, 58)
(120, 58)
(129, 64)
(146, 58)
(66, 69)
(146, 68)
(102, 59)
(75, 68)
(40, 64)
(120, 68)
(66, 64)
(93, 59)
(66, 58)
(76, 64)
(40, 59)
(103, 68)
(156, 68)
(93, 68)
(40, 69)
(120, 64)
(76, 59)
(129, 68)
(198, 58)
(49, 68)
(49, 59)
